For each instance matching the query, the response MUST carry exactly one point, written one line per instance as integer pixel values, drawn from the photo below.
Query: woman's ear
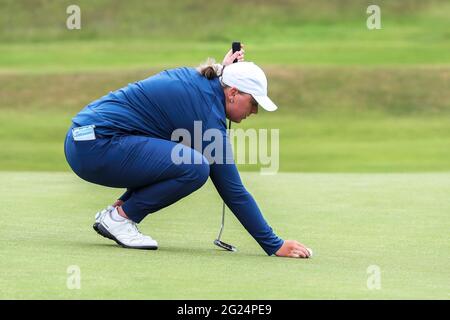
(230, 92)
(233, 91)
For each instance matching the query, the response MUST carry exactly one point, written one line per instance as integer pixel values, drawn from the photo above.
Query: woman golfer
(123, 140)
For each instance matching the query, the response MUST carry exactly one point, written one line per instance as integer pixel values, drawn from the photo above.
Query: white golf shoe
(123, 231)
(99, 217)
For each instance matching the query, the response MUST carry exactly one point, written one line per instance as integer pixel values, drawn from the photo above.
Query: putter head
(224, 245)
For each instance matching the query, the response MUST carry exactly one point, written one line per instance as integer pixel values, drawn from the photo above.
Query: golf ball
(310, 252)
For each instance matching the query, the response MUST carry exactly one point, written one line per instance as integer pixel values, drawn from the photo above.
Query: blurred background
(350, 99)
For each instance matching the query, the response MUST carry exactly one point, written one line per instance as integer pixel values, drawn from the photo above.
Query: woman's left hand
(230, 56)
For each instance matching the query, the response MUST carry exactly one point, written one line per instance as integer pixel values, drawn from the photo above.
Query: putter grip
(235, 46)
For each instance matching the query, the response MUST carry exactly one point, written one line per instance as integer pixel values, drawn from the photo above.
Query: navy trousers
(140, 164)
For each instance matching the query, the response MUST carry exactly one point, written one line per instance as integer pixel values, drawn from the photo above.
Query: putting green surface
(364, 115)
(396, 222)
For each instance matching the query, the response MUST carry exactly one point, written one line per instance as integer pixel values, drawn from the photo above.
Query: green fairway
(307, 144)
(26, 58)
(119, 35)
(364, 149)
(351, 100)
(397, 222)
(330, 119)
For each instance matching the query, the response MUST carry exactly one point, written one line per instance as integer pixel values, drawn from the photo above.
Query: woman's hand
(230, 56)
(293, 249)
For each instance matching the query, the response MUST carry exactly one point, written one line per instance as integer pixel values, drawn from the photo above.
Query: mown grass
(413, 91)
(117, 35)
(330, 120)
(118, 55)
(34, 141)
(396, 222)
(351, 100)
(218, 21)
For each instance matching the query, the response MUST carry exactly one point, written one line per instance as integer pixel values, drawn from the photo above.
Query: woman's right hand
(230, 56)
(293, 249)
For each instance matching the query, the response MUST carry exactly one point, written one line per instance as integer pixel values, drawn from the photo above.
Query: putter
(236, 46)
(219, 242)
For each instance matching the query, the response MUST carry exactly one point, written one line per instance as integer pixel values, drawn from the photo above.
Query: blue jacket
(174, 99)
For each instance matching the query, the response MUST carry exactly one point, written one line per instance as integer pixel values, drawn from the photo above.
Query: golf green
(387, 229)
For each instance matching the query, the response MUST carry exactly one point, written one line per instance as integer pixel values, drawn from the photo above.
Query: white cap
(247, 77)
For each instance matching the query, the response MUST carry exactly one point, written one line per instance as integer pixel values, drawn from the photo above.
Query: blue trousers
(140, 164)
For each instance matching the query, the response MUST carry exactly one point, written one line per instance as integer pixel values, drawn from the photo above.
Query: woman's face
(239, 105)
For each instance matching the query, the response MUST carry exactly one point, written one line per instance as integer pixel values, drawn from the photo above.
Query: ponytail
(210, 69)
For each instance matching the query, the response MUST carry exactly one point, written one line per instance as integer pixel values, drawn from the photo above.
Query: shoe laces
(134, 227)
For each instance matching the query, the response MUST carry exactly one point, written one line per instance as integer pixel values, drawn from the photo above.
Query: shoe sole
(95, 226)
(101, 230)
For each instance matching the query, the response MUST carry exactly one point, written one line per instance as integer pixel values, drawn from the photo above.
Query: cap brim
(266, 103)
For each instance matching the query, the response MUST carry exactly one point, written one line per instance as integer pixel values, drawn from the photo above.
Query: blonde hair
(210, 69)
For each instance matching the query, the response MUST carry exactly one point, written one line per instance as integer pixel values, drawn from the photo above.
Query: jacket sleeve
(227, 181)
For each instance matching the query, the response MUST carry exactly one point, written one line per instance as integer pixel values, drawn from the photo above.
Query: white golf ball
(310, 252)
